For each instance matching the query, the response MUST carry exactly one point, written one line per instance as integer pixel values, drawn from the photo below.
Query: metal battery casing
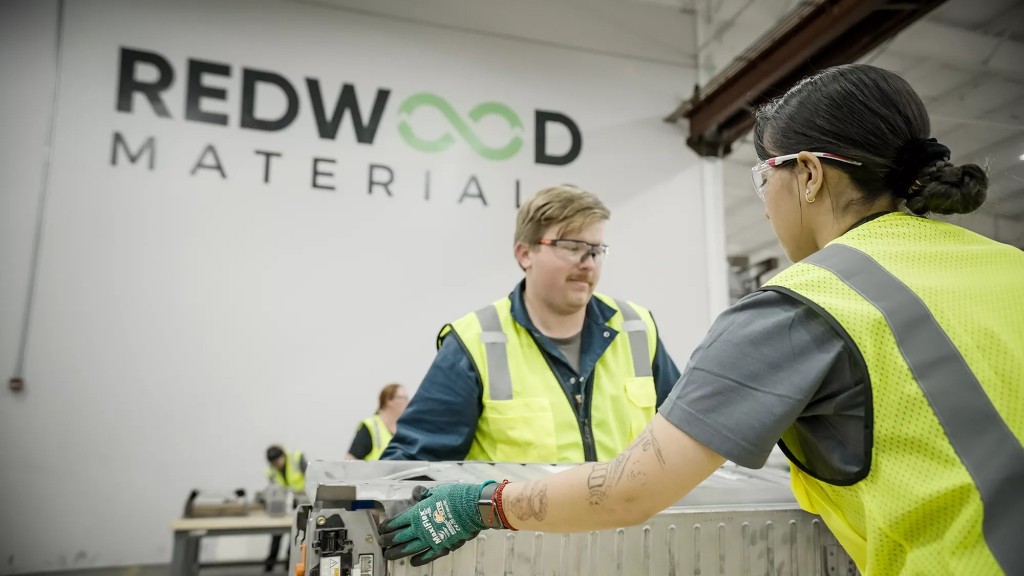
(737, 522)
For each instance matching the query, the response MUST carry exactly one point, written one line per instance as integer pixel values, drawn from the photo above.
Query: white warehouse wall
(190, 313)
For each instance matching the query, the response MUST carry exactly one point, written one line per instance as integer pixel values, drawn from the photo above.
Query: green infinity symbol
(445, 141)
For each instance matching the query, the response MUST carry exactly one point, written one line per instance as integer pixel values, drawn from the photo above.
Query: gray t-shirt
(775, 367)
(570, 348)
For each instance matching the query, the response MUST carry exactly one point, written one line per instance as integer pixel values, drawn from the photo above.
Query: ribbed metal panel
(737, 523)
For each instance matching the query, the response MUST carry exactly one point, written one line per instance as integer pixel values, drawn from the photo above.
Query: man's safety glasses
(576, 250)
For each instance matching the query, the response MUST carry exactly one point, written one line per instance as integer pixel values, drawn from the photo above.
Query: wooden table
(188, 532)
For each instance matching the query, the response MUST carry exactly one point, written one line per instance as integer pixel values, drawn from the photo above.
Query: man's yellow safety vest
(527, 417)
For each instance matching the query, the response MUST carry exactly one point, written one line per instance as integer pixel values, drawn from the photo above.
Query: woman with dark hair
(887, 362)
(375, 432)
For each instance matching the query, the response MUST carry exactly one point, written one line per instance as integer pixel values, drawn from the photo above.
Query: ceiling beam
(815, 36)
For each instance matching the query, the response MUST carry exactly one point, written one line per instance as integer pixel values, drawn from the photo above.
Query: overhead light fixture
(1021, 156)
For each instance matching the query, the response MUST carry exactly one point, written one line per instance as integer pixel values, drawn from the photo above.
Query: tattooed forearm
(598, 476)
(638, 477)
(617, 469)
(606, 475)
(649, 443)
(531, 502)
(596, 483)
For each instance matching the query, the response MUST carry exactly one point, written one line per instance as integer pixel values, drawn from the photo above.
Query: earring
(807, 196)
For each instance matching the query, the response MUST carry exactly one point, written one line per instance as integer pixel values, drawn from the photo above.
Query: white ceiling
(966, 60)
(656, 31)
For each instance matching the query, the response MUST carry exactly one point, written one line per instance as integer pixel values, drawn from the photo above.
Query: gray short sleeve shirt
(772, 366)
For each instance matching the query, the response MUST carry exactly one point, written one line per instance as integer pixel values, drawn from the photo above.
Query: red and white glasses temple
(757, 172)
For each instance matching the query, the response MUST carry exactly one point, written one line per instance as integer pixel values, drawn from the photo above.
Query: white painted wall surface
(183, 322)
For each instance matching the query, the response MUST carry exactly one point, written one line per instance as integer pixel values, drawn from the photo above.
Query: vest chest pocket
(643, 399)
(521, 430)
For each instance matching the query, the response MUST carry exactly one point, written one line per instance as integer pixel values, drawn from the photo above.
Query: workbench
(188, 532)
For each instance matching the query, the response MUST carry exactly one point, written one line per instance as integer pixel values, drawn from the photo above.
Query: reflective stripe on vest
(637, 330)
(494, 340)
(991, 454)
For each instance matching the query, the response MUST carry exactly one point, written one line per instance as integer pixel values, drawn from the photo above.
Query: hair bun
(914, 156)
(943, 188)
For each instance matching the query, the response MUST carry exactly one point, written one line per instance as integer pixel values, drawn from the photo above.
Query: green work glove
(445, 518)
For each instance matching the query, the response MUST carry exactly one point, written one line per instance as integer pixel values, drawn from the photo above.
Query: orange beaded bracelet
(498, 507)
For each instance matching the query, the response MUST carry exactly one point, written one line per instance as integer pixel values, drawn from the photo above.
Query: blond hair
(569, 208)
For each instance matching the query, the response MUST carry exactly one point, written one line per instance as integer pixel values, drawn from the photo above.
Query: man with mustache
(554, 372)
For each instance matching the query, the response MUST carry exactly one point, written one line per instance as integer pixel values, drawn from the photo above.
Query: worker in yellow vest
(554, 372)
(888, 361)
(374, 433)
(288, 470)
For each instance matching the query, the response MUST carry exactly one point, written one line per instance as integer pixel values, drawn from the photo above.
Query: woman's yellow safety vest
(293, 478)
(527, 416)
(937, 313)
(380, 436)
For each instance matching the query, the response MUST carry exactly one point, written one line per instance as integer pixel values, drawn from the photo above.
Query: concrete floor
(163, 569)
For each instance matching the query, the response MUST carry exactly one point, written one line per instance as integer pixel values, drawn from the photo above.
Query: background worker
(374, 433)
(289, 471)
